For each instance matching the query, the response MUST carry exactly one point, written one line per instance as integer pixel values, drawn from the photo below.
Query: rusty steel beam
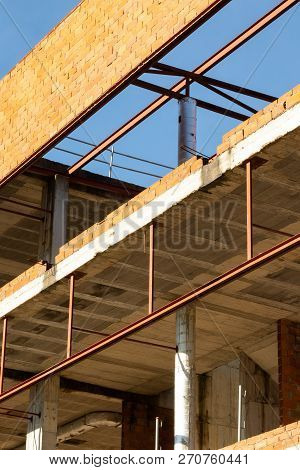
(200, 103)
(23, 214)
(71, 314)
(13, 410)
(119, 86)
(91, 182)
(215, 59)
(25, 204)
(249, 210)
(3, 352)
(151, 268)
(204, 80)
(273, 230)
(15, 416)
(149, 319)
(130, 340)
(230, 98)
(241, 90)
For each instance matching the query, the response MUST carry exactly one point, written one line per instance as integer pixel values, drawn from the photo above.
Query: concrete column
(60, 214)
(42, 430)
(187, 129)
(185, 379)
(54, 230)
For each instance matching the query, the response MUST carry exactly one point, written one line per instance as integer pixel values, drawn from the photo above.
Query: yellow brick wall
(259, 119)
(95, 47)
(29, 275)
(277, 439)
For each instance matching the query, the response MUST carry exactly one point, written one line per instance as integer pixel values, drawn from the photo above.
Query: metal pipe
(129, 169)
(187, 128)
(111, 162)
(151, 268)
(249, 210)
(216, 283)
(71, 152)
(239, 414)
(75, 139)
(3, 352)
(203, 68)
(144, 160)
(71, 313)
(157, 429)
(116, 153)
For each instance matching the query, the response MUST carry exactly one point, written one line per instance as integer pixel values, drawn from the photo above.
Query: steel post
(3, 353)
(151, 268)
(249, 210)
(71, 313)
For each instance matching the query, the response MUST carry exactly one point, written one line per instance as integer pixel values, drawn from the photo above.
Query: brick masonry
(278, 439)
(24, 278)
(259, 119)
(289, 370)
(79, 63)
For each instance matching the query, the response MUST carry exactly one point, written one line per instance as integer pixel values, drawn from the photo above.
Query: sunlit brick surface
(94, 48)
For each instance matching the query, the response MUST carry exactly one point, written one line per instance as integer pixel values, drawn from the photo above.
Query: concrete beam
(54, 229)
(76, 386)
(87, 423)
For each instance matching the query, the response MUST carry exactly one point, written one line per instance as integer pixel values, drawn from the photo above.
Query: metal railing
(112, 164)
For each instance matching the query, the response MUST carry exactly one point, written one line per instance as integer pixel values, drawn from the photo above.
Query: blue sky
(268, 63)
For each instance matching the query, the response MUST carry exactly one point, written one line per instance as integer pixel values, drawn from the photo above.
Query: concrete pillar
(42, 430)
(185, 379)
(187, 129)
(54, 230)
(60, 214)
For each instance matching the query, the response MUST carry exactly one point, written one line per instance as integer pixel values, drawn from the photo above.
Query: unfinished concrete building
(133, 318)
